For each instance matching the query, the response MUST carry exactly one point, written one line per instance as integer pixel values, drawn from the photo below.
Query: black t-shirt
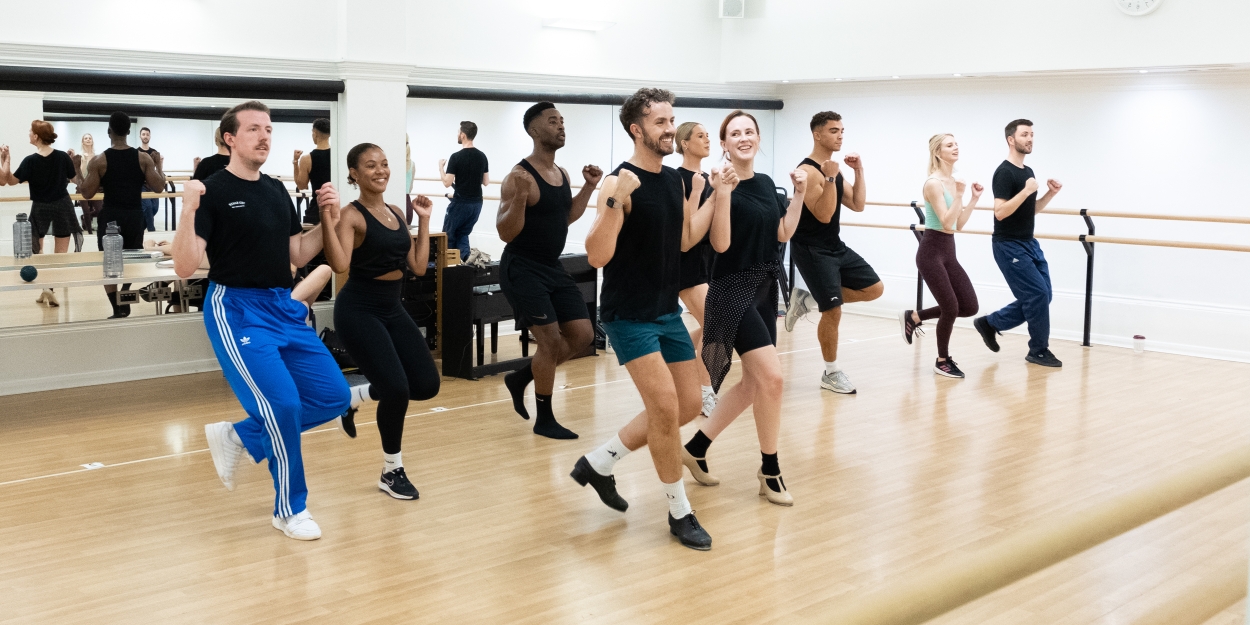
(248, 225)
(810, 230)
(48, 176)
(211, 165)
(755, 213)
(1008, 181)
(468, 166)
(641, 281)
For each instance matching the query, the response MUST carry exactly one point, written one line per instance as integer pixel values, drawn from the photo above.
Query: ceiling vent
(733, 8)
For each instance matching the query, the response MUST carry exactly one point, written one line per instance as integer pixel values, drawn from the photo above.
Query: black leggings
(949, 284)
(389, 350)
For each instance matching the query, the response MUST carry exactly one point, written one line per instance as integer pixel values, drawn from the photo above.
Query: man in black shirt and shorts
(467, 172)
(834, 273)
(642, 227)
(279, 370)
(535, 210)
(1017, 253)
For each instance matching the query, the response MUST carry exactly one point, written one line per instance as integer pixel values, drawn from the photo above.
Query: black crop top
(383, 250)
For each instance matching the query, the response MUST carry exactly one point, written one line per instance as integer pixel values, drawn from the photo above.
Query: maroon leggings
(948, 283)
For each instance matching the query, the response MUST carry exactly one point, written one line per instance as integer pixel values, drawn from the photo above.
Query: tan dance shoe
(700, 476)
(782, 497)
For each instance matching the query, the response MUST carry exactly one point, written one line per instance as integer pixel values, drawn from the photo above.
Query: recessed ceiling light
(576, 24)
(1142, 71)
(958, 75)
(785, 81)
(895, 76)
(838, 79)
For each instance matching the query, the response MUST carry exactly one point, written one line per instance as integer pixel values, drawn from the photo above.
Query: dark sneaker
(909, 327)
(347, 423)
(1043, 358)
(947, 368)
(689, 532)
(396, 485)
(987, 332)
(605, 485)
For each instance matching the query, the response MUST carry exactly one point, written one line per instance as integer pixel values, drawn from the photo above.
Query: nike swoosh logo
(542, 317)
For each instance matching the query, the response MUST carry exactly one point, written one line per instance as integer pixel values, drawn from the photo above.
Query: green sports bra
(931, 221)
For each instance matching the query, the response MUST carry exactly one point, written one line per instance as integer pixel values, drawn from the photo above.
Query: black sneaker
(909, 327)
(347, 423)
(396, 485)
(947, 368)
(1043, 358)
(987, 332)
(689, 532)
(605, 485)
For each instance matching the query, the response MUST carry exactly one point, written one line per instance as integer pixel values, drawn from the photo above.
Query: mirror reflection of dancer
(536, 208)
(742, 303)
(279, 370)
(369, 240)
(693, 144)
(944, 214)
(642, 227)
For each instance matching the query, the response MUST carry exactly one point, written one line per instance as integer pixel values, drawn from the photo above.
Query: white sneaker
(837, 382)
(225, 451)
(798, 307)
(298, 526)
(709, 403)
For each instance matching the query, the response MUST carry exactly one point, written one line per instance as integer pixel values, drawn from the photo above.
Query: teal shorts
(635, 339)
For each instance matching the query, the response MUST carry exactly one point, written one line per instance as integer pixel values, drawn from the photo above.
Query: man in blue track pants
(1017, 252)
(283, 376)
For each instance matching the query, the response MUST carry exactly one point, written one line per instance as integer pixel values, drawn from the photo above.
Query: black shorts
(130, 225)
(758, 327)
(57, 218)
(539, 293)
(827, 272)
(696, 266)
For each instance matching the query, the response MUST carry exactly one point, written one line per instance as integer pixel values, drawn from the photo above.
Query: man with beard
(535, 210)
(642, 226)
(1017, 253)
(279, 370)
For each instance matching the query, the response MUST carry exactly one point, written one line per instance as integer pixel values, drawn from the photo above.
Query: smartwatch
(830, 179)
(612, 202)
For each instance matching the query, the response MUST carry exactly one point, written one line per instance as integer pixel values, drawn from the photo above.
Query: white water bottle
(21, 237)
(113, 263)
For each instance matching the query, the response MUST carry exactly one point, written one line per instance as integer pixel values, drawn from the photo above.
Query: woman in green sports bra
(945, 213)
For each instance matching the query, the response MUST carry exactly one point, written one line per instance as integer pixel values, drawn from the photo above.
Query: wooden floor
(911, 469)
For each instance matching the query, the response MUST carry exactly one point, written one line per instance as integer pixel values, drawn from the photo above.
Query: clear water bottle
(21, 237)
(112, 252)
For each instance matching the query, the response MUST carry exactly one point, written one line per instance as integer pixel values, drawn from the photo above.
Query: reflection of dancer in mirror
(369, 240)
(693, 144)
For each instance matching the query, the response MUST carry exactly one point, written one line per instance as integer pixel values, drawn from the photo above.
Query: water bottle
(21, 237)
(112, 252)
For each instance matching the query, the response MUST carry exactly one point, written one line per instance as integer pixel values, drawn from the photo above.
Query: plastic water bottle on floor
(21, 237)
(113, 262)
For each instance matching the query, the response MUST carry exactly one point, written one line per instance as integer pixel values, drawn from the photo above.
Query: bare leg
(556, 344)
(634, 434)
(761, 388)
(62, 245)
(694, 299)
(662, 415)
(827, 329)
(310, 287)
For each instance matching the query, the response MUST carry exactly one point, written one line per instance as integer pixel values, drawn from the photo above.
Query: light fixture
(1142, 71)
(785, 81)
(576, 24)
(958, 75)
(895, 76)
(838, 79)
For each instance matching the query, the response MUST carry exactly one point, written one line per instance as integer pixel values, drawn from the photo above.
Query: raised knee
(389, 392)
(425, 389)
(968, 310)
(874, 291)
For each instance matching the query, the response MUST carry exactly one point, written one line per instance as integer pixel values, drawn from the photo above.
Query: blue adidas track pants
(282, 374)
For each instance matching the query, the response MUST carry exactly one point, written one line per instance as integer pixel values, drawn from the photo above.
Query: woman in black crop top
(742, 302)
(369, 240)
(693, 144)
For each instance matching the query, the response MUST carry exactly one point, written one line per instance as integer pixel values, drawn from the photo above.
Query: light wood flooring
(912, 468)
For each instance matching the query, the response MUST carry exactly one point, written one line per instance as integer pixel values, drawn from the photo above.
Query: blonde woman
(944, 213)
(410, 171)
(90, 208)
(694, 145)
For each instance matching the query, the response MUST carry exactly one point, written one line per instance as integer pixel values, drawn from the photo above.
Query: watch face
(1138, 7)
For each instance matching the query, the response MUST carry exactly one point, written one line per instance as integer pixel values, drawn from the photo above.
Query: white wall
(1155, 144)
(594, 136)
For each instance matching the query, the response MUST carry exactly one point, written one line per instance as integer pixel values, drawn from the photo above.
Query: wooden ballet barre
(500, 181)
(1083, 212)
(962, 577)
(77, 197)
(1081, 238)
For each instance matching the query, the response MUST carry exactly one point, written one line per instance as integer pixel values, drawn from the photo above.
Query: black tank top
(383, 250)
(687, 185)
(546, 223)
(123, 180)
(641, 281)
(810, 231)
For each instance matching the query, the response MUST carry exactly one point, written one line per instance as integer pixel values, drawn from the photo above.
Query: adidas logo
(247, 340)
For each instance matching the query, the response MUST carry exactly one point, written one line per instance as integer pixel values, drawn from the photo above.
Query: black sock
(698, 445)
(516, 383)
(770, 465)
(546, 424)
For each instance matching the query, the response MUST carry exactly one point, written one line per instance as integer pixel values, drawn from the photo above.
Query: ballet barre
(960, 578)
(1085, 212)
(65, 259)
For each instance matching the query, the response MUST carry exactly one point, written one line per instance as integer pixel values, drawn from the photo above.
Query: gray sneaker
(837, 382)
(798, 307)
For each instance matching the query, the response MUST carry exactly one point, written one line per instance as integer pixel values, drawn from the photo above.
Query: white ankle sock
(678, 505)
(707, 390)
(832, 367)
(359, 395)
(390, 462)
(606, 456)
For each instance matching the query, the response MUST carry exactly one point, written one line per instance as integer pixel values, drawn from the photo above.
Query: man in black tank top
(313, 170)
(834, 272)
(642, 226)
(121, 172)
(535, 209)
